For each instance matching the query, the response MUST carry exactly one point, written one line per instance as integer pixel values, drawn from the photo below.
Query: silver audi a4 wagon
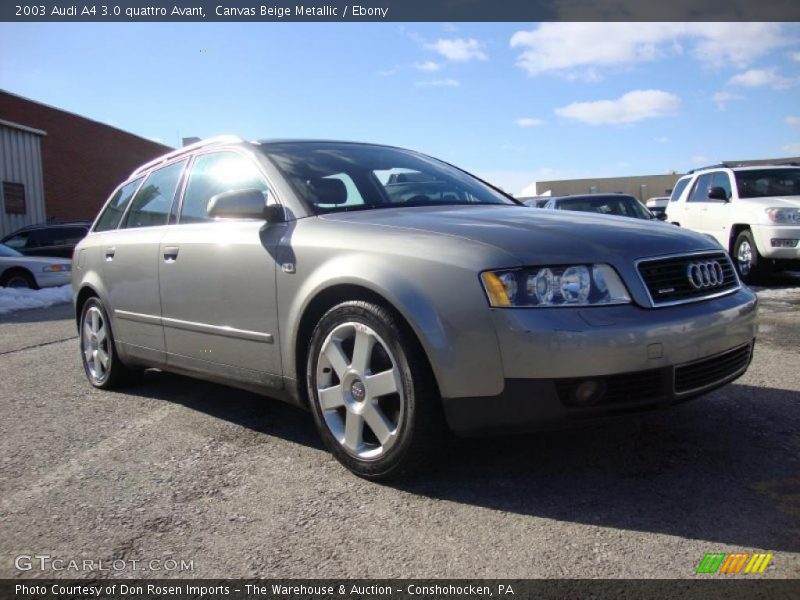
(397, 297)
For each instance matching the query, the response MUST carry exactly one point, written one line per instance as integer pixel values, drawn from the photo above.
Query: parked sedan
(620, 205)
(19, 271)
(287, 267)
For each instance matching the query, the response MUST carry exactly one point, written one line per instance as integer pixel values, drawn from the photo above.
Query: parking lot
(240, 486)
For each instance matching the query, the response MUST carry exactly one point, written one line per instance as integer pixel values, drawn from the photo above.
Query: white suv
(753, 212)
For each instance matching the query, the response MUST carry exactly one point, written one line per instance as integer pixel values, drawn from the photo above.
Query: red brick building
(82, 160)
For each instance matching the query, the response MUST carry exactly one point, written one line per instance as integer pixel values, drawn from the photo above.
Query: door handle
(110, 253)
(171, 254)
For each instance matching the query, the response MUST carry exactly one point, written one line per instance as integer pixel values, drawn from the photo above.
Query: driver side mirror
(718, 193)
(244, 204)
(661, 216)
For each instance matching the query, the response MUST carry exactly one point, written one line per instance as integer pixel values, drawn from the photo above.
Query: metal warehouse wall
(641, 187)
(21, 162)
(83, 160)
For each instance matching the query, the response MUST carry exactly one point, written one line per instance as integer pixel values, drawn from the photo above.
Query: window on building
(14, 198)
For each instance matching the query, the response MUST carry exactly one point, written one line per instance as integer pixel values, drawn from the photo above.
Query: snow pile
(12, 299)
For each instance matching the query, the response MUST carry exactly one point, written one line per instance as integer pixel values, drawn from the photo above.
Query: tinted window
(700, 191)
(623, 206)
(116, 207)
(678, 190)
(336, 177)
(18, 241)
(56, 236)
(768, 182)
(152, 203)
(721, 179)
(214, 174)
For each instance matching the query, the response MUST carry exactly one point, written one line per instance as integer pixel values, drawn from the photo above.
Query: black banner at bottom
(398, 589)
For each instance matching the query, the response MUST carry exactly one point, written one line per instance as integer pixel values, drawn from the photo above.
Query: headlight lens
(785, 216)
(571, 285)
(56, 268)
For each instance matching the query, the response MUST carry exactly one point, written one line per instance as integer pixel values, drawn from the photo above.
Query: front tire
(749, 263)
(372, 395)
(101, 362)
(19, 279)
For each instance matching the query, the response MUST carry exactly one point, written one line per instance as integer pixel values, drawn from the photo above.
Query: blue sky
(513, 102)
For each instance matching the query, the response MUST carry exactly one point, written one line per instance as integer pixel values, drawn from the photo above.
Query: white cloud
(721, 99)
(762, 78)
(567, 48)
(623, 164)
(662, 139)
(439, 83)
(792, 120)
(791, 149)
(629, 108)
(795, 56)
(529, 122)
(459, 49)
(428, 65)
(699, 159)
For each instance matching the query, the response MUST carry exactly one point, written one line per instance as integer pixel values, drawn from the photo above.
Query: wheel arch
(736, 229)
(16, 269)
(86, 292)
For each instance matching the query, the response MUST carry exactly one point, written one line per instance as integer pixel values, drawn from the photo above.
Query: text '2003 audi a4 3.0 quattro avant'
(396, 296)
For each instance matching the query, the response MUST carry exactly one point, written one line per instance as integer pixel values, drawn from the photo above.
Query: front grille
(626, 388)
(668, 280)
(708, 371)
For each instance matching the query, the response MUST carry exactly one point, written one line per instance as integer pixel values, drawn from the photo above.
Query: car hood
(773, 201)
(536, 236)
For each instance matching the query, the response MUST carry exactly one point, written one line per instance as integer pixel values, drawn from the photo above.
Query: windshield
(7, 252)
(768, 182)
(623, 206)
(334, 177)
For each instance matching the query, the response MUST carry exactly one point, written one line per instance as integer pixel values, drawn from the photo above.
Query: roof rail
(219, 139)
(721, 165)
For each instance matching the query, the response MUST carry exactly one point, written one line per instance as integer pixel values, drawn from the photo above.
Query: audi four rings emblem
(705, 274)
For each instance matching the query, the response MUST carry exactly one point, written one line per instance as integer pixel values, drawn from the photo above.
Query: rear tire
(750, 265)
(101, 362)
(373, 397)
(19, 279)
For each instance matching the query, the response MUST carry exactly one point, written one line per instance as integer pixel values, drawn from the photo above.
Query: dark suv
(48, 240)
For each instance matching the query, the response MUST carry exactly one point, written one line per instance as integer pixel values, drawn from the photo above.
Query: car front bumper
(638, 358)
(764, 234)
(44, 280)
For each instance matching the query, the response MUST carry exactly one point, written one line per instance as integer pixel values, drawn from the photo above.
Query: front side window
(721, 179)
(760, 183)
(700, 191)
(214, 174)
(678, 190)
(333, 177)
(151, 205)
(112, 214)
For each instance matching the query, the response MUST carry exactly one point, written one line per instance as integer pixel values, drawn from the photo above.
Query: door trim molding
(223, 330)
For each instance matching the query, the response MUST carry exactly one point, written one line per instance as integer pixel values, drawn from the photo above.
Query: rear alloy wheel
(372, 400)
(103, 367)
(749, 263)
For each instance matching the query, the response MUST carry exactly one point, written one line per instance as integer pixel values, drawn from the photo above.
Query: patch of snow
(790, 293)
(12, 299)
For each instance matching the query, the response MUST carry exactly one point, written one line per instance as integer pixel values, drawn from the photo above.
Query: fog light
(783, 243)
(589, 392)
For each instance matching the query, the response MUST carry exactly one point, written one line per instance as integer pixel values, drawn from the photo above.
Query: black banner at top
(397, 10)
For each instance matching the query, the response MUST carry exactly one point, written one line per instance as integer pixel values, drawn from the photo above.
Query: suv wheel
(102, 364)
(749, 263)
(373, 399)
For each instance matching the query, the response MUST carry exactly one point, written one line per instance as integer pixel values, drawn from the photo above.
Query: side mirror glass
(661, 216)
(717, 193)
(244, 204)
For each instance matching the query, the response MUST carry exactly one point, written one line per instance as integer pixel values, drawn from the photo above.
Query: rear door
(218, 278)
(696, 203)
(130, 270)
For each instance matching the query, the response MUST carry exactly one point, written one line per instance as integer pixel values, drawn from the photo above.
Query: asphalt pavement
(232, 484)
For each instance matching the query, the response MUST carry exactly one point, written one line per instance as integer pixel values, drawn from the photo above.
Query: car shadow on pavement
(724, 468)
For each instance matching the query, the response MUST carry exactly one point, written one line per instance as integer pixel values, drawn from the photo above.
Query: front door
(218, 278)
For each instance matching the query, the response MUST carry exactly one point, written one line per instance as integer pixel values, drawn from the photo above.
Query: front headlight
(784, 216)
(573, 285)
(56, 268)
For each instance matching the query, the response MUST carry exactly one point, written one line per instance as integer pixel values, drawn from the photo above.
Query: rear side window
(678, 190)
(116, 206)
(214, 174)
(152, 204)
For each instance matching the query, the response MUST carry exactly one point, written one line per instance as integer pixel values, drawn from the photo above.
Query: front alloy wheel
(371, 391)
(749, 262)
